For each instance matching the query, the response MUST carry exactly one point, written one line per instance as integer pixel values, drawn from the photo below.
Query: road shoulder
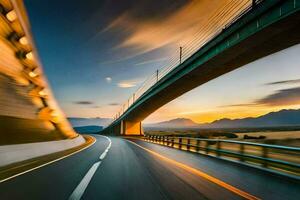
(19, 168)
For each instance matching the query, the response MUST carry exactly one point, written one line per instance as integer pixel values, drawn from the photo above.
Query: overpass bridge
(256, 29)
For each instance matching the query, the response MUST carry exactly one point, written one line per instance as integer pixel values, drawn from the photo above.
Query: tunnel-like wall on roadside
(28, 111)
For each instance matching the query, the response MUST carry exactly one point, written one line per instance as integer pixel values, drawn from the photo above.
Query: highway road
(119, 168)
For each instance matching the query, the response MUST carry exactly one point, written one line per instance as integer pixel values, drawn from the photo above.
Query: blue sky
(96, 54)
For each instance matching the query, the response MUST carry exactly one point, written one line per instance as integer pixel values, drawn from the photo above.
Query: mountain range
(79, 122)
(174, 123)
(273, 119)
(88, 129)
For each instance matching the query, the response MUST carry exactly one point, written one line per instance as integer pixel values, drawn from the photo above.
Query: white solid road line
(102, 156)
(79, 190)
(48, 163)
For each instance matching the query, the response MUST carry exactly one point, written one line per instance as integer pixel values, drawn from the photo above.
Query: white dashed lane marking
(81, 187)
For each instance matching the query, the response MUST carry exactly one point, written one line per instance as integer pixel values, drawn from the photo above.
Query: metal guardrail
(274, 157)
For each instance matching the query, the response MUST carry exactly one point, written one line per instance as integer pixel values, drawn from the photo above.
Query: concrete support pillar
(131, 128)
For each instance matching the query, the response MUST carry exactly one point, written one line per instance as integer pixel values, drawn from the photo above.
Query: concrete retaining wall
(15, 153)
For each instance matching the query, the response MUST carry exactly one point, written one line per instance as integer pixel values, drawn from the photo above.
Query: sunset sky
(97, 54)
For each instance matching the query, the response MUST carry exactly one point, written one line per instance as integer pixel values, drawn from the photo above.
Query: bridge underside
(281, 35)
(126, 128)
(242, 43)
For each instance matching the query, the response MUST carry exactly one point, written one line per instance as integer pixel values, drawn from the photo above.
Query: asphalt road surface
(118, 168)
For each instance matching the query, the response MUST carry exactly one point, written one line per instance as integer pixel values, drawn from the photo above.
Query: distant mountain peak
(175, 123)
(97, 121)
(180, 120)
(285, 117)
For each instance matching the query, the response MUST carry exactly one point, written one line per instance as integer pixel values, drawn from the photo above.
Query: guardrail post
(206, 147)
(242, 149)
(167, 140)
(198, 145)
(172, 140)
(265, 155)
(188, 144)
(218, 148)
(179, 143)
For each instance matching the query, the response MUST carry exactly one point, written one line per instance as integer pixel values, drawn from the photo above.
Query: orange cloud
(178, 28)
(128, 83)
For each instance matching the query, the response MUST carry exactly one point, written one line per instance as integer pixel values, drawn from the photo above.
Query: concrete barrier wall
(28, 110)
(16, 153)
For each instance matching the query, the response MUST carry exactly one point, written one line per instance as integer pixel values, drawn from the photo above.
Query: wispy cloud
(126, 84)
(238, 105)
(283, 97)
(113, 104)
(151, 61)
(293, 81)
(83, 102)
(129, 83)
(177, 28)
(130, 55)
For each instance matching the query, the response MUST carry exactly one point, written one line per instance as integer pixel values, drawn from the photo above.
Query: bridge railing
(222, 18)
(283, 159)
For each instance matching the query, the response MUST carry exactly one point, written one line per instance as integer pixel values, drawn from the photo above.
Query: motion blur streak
(28, 110)
(201, 174)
